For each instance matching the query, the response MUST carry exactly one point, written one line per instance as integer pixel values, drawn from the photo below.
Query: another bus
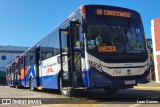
(12, 73)
(97, 46)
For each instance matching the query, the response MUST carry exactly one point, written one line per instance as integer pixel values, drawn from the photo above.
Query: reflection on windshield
(122, 38)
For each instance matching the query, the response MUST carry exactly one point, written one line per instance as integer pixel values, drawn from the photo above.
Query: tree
(150, 48)
(150, 52)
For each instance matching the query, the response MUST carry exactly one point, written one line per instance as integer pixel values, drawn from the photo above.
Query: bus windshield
(116, 38)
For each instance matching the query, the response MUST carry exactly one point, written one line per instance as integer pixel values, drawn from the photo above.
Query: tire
(66, 91)
(31, 84)
(110, 90)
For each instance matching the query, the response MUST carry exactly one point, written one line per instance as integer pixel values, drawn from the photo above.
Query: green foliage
(150, 50)
(149, 45)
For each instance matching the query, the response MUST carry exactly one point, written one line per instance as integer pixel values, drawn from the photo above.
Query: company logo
(6, 101)
(21, 101)
(128, 71)
(49, 70)
(95, 65)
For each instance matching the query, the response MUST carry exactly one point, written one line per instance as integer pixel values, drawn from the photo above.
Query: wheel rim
(65, 90)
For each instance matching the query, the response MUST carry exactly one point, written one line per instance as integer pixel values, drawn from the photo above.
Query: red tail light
(83, 10)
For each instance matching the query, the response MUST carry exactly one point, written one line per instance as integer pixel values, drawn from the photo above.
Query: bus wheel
(110, 90)
(31, 84)
(66, 91)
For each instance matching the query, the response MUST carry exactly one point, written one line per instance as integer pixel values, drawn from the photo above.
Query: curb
(147, 87)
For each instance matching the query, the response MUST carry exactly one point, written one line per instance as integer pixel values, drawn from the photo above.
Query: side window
(27, 60)
(64, 43)
(31, 57)
(46, 52)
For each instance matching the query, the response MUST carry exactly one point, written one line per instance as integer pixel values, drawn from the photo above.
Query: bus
(97, 46)
(12, 73)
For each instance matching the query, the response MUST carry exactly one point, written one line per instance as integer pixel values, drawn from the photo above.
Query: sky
(25, 22)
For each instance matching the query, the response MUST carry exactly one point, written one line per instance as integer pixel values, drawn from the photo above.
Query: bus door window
(65, 57)
(65, 54)
(76, 46)
(65, 50)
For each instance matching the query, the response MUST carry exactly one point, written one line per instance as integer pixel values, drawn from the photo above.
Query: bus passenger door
(65, 58)
(37, 62)
(70, 57)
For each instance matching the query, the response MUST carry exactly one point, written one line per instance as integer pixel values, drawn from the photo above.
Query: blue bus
(97, 46)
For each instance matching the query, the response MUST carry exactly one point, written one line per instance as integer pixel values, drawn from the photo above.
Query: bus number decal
(116, 72)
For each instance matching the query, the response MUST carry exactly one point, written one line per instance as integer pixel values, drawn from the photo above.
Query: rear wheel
(110, 90)
(66, 91)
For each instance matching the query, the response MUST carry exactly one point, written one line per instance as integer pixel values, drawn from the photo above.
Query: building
(7, 55)
(155, 28)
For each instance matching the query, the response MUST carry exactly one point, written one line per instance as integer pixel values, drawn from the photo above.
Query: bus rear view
(116, 55)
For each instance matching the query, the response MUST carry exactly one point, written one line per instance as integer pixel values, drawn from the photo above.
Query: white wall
(9, 57)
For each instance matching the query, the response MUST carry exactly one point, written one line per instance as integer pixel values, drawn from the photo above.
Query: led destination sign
(107, 49)
(105, 12)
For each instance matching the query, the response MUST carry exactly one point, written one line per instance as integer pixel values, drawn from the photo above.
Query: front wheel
(66, 91)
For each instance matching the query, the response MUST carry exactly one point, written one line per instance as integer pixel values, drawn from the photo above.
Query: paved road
(95, 98)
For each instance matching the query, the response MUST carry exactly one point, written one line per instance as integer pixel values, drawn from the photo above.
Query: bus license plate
(130, 82)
